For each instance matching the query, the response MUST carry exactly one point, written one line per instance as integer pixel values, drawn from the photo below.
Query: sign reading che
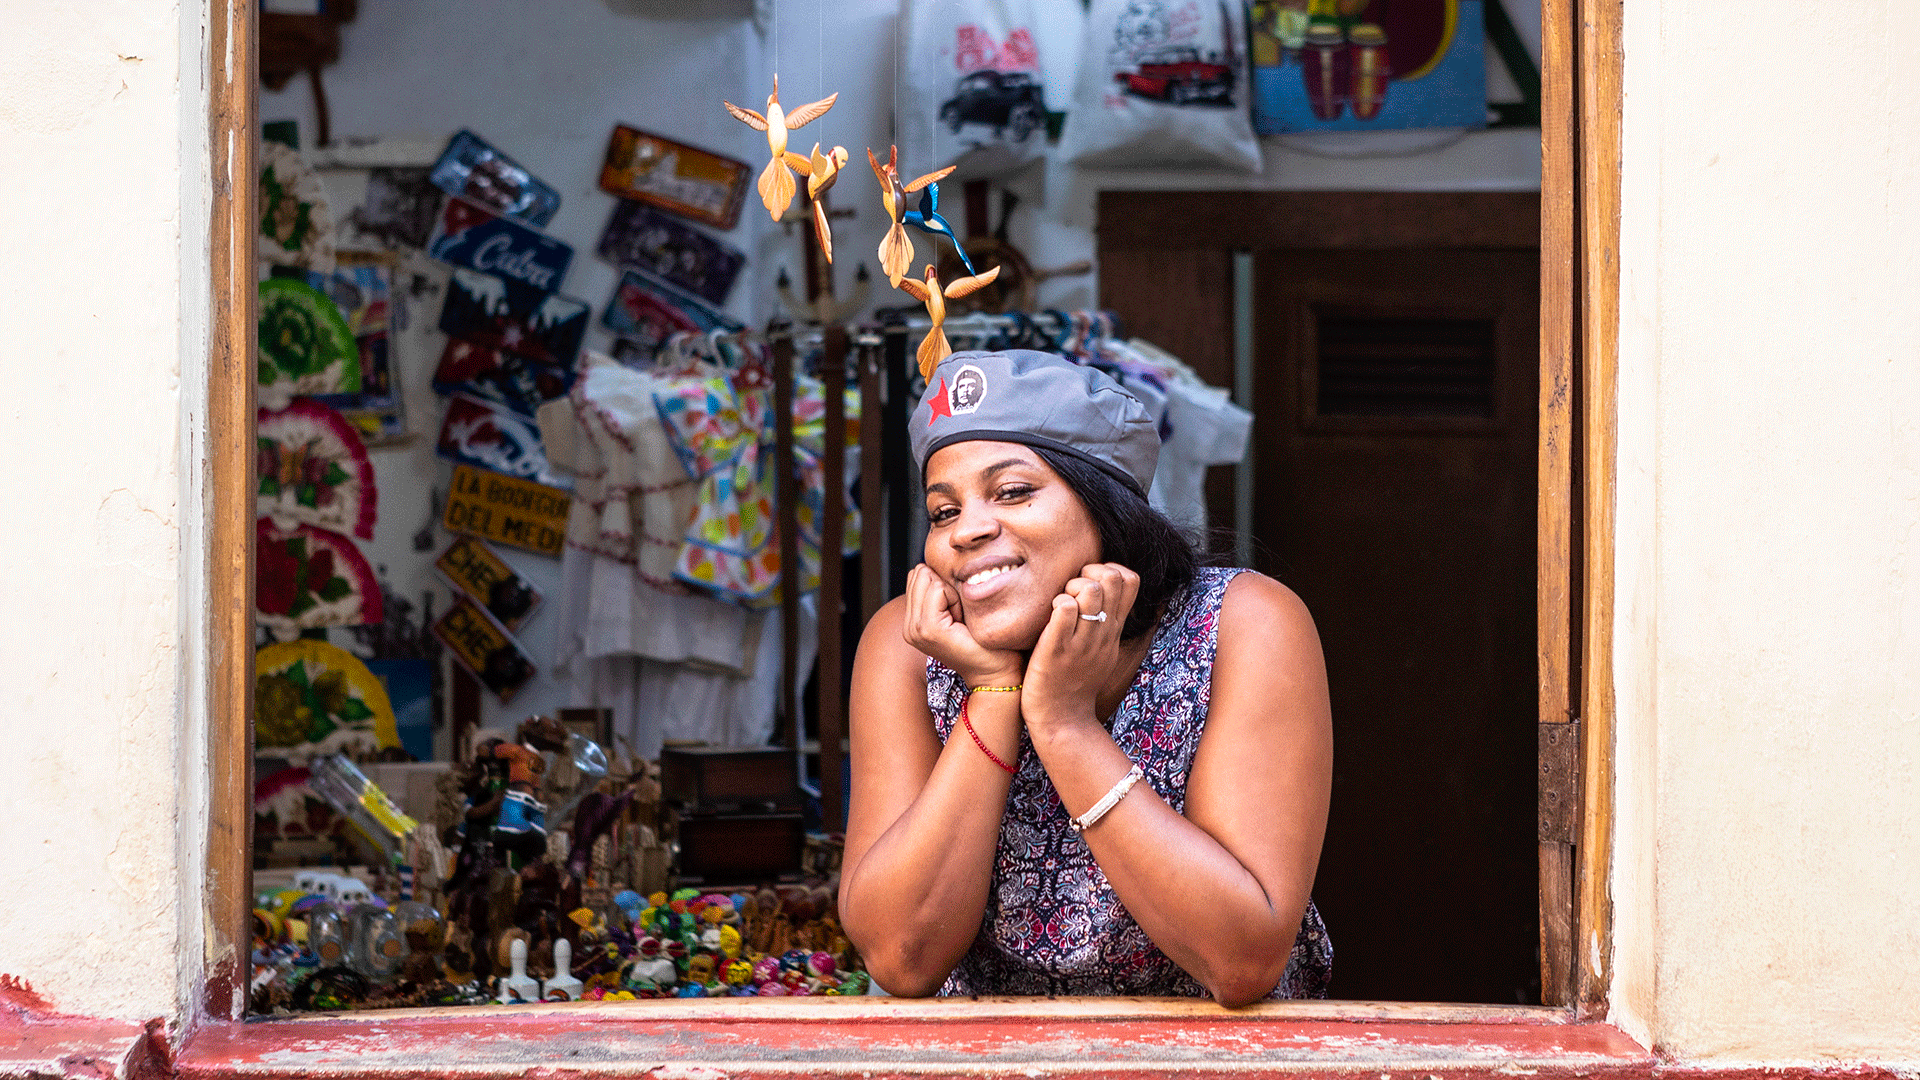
(507, 509)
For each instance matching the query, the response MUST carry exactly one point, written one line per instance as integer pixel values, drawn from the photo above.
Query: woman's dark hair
(1133, 534)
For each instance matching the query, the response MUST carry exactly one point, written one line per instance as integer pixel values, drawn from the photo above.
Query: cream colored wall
(1769, 623)
(99, 337)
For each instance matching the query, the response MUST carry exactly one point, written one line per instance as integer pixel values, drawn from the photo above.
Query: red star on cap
(940, 406)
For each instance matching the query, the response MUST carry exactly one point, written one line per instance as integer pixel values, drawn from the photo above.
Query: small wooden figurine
(821, 170)
(776, 180)
(934, 347)
(928, 220)
(896, 251)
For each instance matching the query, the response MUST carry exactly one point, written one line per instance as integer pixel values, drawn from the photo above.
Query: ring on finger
(1098, 616)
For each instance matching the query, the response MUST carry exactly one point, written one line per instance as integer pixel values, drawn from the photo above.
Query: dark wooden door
(1395, 464)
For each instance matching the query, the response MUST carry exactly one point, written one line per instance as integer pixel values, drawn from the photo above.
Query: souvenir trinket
(896, 250)
(474, 170)
(479, 572)
(935, 347)
(478, 432)
(563, 986)
(508, 510)
(306, 577)
(296, 228)
(776, 184)
(306, 346)
(311, 699)
(821, 171)
(314, 468)
(928, 220)
(504, 378)
(639, 236)
(475, 238)
(484, 648)
(675, 177)
(516, 986)
(546, 328)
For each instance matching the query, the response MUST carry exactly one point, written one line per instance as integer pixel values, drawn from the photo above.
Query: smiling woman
(1138, 804)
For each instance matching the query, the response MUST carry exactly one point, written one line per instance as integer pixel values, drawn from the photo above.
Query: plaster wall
(103, 162)
(1768, 889)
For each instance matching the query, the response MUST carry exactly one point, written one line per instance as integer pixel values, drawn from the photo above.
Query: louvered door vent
(1395, 365)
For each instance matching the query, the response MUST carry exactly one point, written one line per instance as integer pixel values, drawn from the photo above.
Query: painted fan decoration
(307, 577)
(296, 228)
(306, 346)
(311, 699)
(314, 469)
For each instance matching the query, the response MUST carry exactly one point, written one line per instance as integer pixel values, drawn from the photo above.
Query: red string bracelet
(968, 724)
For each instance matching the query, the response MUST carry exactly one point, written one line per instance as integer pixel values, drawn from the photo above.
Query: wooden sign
(477, 570)
(507, 509)
(484, 647)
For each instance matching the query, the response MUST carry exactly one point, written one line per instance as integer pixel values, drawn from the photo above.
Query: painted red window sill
(874, 1038)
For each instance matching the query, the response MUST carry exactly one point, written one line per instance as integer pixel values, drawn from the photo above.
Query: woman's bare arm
(923, 820)
(1222, 889)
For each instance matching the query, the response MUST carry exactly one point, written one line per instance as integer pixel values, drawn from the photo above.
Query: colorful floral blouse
(1053, 924)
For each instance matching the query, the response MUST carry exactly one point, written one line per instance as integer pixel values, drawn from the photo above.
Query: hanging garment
(654, 701)
(631, 504)
(722, 429)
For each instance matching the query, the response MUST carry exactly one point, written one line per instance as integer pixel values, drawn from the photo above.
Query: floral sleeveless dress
(1053, 925)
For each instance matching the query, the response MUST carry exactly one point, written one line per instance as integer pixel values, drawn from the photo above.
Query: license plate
(507, 510)
(479, 572)
(471, 236)
(543, 327)
(484, 648)
(639, 236)
(675, 177)
(478, 432)
(472, 169)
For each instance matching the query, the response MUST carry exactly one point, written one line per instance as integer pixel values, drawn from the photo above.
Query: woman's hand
(933, 627)
(1076, 657)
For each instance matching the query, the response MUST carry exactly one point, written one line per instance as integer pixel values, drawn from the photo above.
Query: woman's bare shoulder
(1267, 643)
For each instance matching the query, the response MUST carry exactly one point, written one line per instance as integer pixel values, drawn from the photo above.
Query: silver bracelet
(1108, 801)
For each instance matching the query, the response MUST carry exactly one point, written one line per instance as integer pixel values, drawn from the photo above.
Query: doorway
(1395, 372)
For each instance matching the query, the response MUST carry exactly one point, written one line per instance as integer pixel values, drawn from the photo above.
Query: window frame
(1579, 319)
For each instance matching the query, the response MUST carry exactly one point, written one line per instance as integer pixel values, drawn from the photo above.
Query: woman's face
(1007, 534)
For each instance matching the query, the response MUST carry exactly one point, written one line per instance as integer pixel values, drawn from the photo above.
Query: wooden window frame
(1579, 206)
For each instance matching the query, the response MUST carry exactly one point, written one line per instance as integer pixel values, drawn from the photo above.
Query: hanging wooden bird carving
(934, 347)
(928, 220)
(896, 251)
(821, 170)
(776, 180)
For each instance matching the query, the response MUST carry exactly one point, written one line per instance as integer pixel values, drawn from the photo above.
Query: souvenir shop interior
(588, 335)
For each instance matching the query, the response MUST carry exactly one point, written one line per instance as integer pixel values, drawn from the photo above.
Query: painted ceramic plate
(296, 227)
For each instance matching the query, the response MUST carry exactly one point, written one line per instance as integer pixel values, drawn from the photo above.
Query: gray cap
(1038, 399)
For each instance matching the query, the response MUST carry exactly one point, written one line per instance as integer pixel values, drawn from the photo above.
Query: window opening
(1367, 366)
